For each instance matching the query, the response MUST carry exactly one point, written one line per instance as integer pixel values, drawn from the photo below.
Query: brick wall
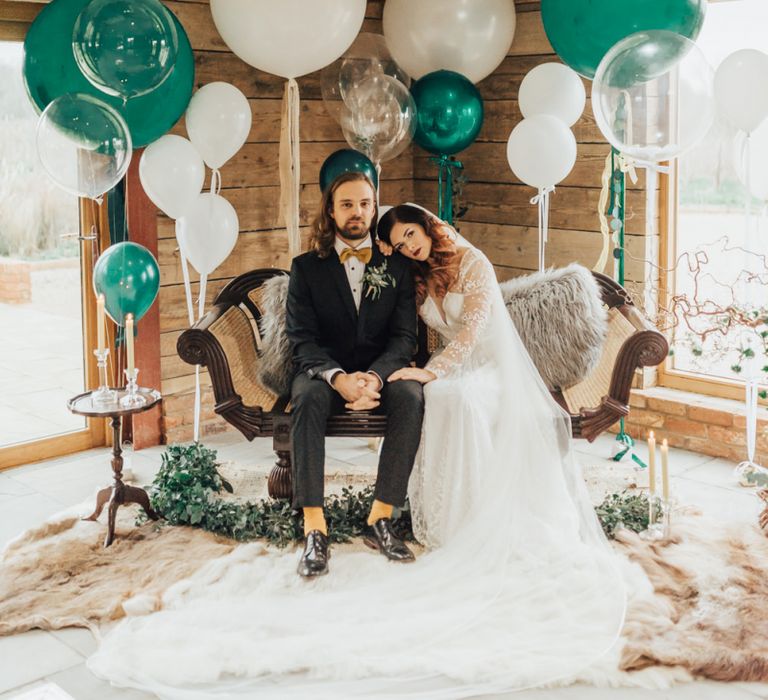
(703, 424)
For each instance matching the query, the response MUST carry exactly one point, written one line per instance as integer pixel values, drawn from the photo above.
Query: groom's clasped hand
(359, 389)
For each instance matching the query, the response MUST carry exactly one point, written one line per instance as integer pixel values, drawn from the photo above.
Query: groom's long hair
(442, 265)
(324, 228)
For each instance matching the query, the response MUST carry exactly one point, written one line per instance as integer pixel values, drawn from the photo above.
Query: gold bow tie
(362, 254)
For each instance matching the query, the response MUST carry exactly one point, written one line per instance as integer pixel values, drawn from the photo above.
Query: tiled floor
(39, 665)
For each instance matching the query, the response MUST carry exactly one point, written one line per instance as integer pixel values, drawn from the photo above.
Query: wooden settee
(227, 339)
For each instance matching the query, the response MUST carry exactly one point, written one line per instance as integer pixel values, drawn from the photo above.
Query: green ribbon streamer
(118, 232)
(446, 165)
(617, 199)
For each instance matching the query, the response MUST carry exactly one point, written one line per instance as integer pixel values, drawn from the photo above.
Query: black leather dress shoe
(381, 536)
(314, 559)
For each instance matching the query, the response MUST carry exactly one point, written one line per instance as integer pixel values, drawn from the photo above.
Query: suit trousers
(314, 400)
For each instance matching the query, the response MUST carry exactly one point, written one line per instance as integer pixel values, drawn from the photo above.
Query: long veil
(528, 592)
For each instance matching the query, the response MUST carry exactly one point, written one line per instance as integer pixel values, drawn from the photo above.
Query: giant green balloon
(125, 47)
(582, 31)
(449, 110)
(346, 160)
(128, 276)
(50, 70)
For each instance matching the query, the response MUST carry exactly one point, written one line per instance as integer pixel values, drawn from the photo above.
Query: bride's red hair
(442, 265)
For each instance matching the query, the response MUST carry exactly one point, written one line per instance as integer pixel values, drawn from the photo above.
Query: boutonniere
(377, 278)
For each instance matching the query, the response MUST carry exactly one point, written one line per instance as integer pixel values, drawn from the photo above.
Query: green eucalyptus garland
(186, 491)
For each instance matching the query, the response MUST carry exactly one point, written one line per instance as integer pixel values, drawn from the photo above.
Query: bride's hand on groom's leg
(417, 374)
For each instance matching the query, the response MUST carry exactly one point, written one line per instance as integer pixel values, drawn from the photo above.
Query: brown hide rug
(709, 610)
(701, 607)
(60, 574)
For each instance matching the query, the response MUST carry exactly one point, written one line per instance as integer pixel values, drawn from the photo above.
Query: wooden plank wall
(500, 218)
(250, 181)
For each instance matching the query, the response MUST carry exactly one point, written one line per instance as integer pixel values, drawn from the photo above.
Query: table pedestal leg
(119, 493)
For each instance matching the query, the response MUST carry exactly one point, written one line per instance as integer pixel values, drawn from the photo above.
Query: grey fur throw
(561, 319)
(558, 313)
(276, 367)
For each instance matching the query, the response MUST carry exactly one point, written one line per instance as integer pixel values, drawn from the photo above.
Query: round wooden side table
(119, 493)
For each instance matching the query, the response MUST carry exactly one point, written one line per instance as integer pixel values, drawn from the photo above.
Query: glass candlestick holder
(659, 519)
(654, 531)
(132, 396)
(103, 395)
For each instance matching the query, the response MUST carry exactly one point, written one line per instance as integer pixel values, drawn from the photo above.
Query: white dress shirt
(355, 270)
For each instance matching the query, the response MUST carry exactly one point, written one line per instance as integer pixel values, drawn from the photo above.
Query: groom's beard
(354, 230)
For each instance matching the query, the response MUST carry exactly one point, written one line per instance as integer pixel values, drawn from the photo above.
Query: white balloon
(288, 37)
(552, 88)
(172, 174)
(207, 233)
(741, 91)
(541, 150)
(218, 121)
(470, 37)
(757, 176)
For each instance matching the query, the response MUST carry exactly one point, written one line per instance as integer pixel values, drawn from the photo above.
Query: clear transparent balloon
(83, 144)
(652, 95)
(367, 57)
(383, 120)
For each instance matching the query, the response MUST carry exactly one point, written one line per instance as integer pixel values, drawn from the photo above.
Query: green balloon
(346, 160)
(582, 31)
(128, 276)
(125, 47)
(449, 110)
(50, 70)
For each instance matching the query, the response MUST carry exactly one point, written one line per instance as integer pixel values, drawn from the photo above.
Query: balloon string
(446, 165)
(185, 271)
(215, 181)
(290, 166)
(200, 310)
(602, 211)
(542, 200)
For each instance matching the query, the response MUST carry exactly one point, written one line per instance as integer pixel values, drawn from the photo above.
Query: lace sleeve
(476, 282)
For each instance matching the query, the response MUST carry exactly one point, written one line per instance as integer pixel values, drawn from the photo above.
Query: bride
(518, 587)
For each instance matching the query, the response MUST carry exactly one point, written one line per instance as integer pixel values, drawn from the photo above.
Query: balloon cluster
(366, 91)
(108, 76)
(541, 150)
(172, 173)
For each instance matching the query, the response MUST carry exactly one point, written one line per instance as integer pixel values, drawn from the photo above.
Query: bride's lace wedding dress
(519, 587)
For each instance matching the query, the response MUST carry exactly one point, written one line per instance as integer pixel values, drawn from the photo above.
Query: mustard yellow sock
(314, 520)
(379, 510)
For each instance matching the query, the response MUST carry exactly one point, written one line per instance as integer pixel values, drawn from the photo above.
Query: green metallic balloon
(50, 70)
(128, 276)
(125, 47)
(449, 111)
(346, 160)
(582, 31)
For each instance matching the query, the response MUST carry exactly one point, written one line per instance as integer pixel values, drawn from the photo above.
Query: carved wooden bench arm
(225, 334)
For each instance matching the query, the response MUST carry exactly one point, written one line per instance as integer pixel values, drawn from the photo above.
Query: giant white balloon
(218, 122)
(541, 150)
(741, 90)
(552, 88)
(207, 234)
(470, 37)
(288, 37)
(172, 174)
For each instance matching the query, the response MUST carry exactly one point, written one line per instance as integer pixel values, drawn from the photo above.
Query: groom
(351, 322)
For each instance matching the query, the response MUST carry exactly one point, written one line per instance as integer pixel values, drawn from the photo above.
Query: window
(709, 251)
